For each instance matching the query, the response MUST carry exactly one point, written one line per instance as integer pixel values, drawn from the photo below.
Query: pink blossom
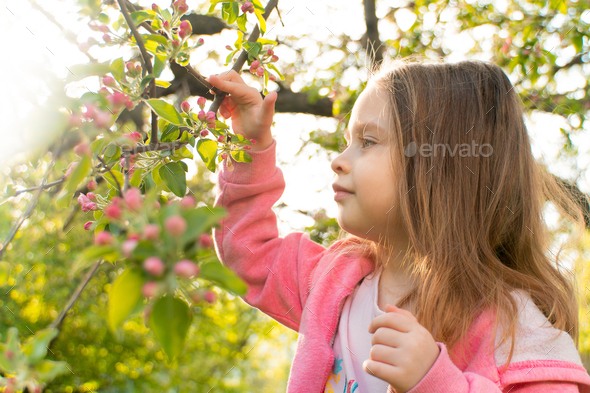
(185, 29)
(175, 225)
(210, 296)
(127, 247)
(133, 198)
(88, 225)
(82, 149)
(113, 211)
(92, 185)
(103, 238)
(109, 81)
(187, 202)
(205, 240)
(201, 101)
(149, 289)
(186, 268)
(154, 266)
(151, 232)
(202, 116)
(83, 199)
(89, 206)
(221, 138)
(205, 132)
(91, 196)
(185, 106)
(102, 119)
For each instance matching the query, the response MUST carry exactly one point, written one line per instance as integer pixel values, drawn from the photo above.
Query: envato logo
(464, 149)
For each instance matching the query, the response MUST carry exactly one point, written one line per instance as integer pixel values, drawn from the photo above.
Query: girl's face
(364, 169)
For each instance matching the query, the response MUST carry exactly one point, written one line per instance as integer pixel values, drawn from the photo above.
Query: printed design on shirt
(349, 386)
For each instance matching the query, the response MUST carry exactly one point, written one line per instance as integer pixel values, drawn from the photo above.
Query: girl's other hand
(251, 115)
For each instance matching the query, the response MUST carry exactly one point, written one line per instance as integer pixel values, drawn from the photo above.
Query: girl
(442, 202)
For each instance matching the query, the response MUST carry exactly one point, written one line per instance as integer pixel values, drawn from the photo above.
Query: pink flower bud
(166, 25)
(176, 43)
(134, 136)
(154, 266)
(247, 147)
(253, 141)
(103, 238)
(274, 58)
(118, 99)
(88, 225)
(82, 149)
(75, 120)
(255, 64)
(84, 46)
(185, 106)
(83, 199)
(188, 202)
(210, 116)
(156, 204)
(113, 211)
(90, 111)
(151, 232)
(272, 77)
(149, 289)
(89, 206)
(134, 236)
(130, 105)
(202, 116)
(270, 52)
(155, 7)
(223, 156)
(93, 26)
(127, 247)
(260, 71)
(210, 125)
(92, 185)
(205, 240)
(228, 47)
(210, 296)
(91, 196)
(106, 38)
(186, 268)
(181, 6)
(133, 199)
(248, 5)
(104, 91)
(205, 132)
(201, 101)
(185, 29)
(102, 119)
(200, 42)
(221, 139)
(103, 28)
(175, 225)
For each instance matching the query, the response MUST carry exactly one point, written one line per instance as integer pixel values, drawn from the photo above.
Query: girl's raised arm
(276, 270)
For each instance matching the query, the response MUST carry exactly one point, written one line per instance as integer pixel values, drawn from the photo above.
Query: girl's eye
(363, 140)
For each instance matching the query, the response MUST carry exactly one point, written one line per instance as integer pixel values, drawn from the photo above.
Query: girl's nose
(340, 164)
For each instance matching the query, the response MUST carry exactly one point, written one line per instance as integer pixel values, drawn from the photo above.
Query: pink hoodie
(303, 285)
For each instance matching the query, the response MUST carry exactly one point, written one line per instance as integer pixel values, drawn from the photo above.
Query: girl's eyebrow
(361, 126)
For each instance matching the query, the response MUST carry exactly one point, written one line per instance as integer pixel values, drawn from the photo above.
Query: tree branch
(114, 178)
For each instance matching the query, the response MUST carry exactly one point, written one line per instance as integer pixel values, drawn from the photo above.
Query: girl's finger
(236, 89)
(392, 320)
(268, 109)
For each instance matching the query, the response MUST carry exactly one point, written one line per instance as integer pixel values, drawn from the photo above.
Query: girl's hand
(402, 350)
(251, 115)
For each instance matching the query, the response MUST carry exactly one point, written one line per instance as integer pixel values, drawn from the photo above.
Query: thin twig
(147, 64)
(243, 55)
(30, 208)
(114, 178)
(162, 146)
(127, 159)
(48, 185)
(75, 295)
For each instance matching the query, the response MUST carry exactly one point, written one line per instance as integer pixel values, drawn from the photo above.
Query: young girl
(442, 201)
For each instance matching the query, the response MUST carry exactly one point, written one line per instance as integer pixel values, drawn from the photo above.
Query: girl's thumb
(268, 107)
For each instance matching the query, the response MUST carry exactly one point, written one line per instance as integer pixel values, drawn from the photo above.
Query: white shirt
(352, 343)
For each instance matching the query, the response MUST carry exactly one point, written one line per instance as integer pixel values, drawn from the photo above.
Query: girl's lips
(341, 195)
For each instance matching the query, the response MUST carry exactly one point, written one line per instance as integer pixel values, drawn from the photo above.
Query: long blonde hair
(474, 221)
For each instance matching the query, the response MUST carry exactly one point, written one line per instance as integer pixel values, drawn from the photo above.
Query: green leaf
(108, 176)
(98, 145)
(170, 133)
(253, 48)
(5, 269)
(226, 278)
(242, 22)
(181, 153)
(234, 12)
(144, 82)
(163, 84)
(47, 370)
(160, 39)
(112, 153)
(123, 296)
(118, 68)
(264, 41)
(170, 320)
(139, 17)
(81, 71)
(271, 66)
(159, 64)
(165, 111)
(136, 178)
(174, 177)
(36, 347)
(82, 170)
(207, 149)
(166, 14)
(157, 179)
(93, 253)
(261, 21)
(103, 18)
(199, 220)
(241, 156)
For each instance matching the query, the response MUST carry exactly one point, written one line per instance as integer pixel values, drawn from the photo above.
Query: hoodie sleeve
(444, 376)
(276, 270)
